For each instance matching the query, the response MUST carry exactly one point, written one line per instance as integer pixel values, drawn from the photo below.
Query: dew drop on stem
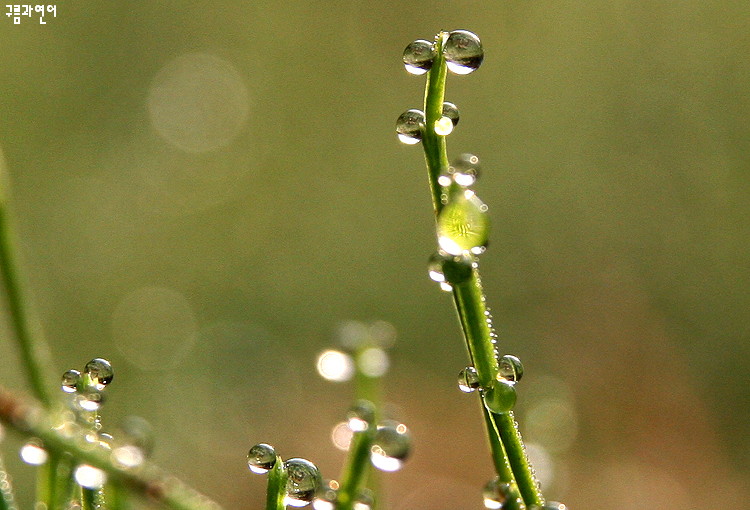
(448, 120)
(33, 453)
(100, 372)
(443, 267)
(365, 500)
(501, 397)
(418, 57)
(261, 458)
(361, 415)
(465, 170)
(496, 494)
(463, 224)
(327, 496)
(463, 52)
(468, 380)
(70, 381)
(510, 368)
(409, 126)
(303, 482)
(391, 446)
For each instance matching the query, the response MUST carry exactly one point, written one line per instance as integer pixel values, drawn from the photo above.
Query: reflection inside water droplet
(463, 224)
(409, 126)
(510, 368)
(463, 52)
(303, 482)
(100, 372)
(70, 381)
(391, 446)
(261, 458)
(468, 380)
(418, 57)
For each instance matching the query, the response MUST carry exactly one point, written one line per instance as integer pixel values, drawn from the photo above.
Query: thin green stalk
(502, 465)
(519, 461)
(34, 351)
(357, 468)
(146, 480)
(505, 442)
(276, 489)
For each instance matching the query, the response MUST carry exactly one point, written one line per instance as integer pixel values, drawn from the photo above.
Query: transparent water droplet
(33, 453)
(501, 397)
(451, 269)
(373, 362)
(409, 126)
(450, 111)
(90, 477)
(90, 400)
(463, 52)
(496, 494)
(443, 126)
(303, 482)
(510, 368)
(446, 287)
(418, 56)
(361, 415)
(100, 372)
(365, 500)
(444, 180)
(465, 170)
(463, 224)
(335, 366)
(128, 456)
(390, 446)
(468, 380)
(327, 496)
(261, 458)
(70, 381)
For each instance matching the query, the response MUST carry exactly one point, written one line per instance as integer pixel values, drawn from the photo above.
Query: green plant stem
(146, 480)
(519, 461)
(34, 351)
(505, 441)
(358, 466)
(276, 489)
(501, 462)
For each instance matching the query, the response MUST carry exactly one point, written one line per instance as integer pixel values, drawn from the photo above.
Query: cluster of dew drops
(391, 440)
(81, 421)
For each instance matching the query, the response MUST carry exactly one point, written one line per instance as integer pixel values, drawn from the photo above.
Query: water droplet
(443, 126)
(100, 372)
(335, 366)
(450, 111)
(327, 496)
(465, 170)
(261, 458)
(364, 500)
(373, 362)
(409, 126)
(70, 381)
(496, 494)
(501, 397)
(90, 477)
(510, 368)
(303, 482)
(90, 400)
(463, 52)
(128, 456)
(463, 224)
(418, 57)
(33, 453)
(444, 180)
(390, 447)
(361, 415)
(446, 287)
(468, 380)
(451, 269)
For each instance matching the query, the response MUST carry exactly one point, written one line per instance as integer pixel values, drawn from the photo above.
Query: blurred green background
(206, 190)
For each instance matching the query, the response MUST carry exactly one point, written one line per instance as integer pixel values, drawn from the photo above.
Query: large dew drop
(465, 170)
(70, 381)
(261, 458)
(391, 446)
(90, 477)
(418, 56)
(496, 494)
(468, 380)
(451, 269)
(463, 225)
(510, 368)
(409, 126)
(463, 52)
(32, 453)
(303, 482)
(100, 372)
(501, 397)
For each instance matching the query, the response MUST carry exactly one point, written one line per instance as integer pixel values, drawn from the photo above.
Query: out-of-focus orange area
(205, 191)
